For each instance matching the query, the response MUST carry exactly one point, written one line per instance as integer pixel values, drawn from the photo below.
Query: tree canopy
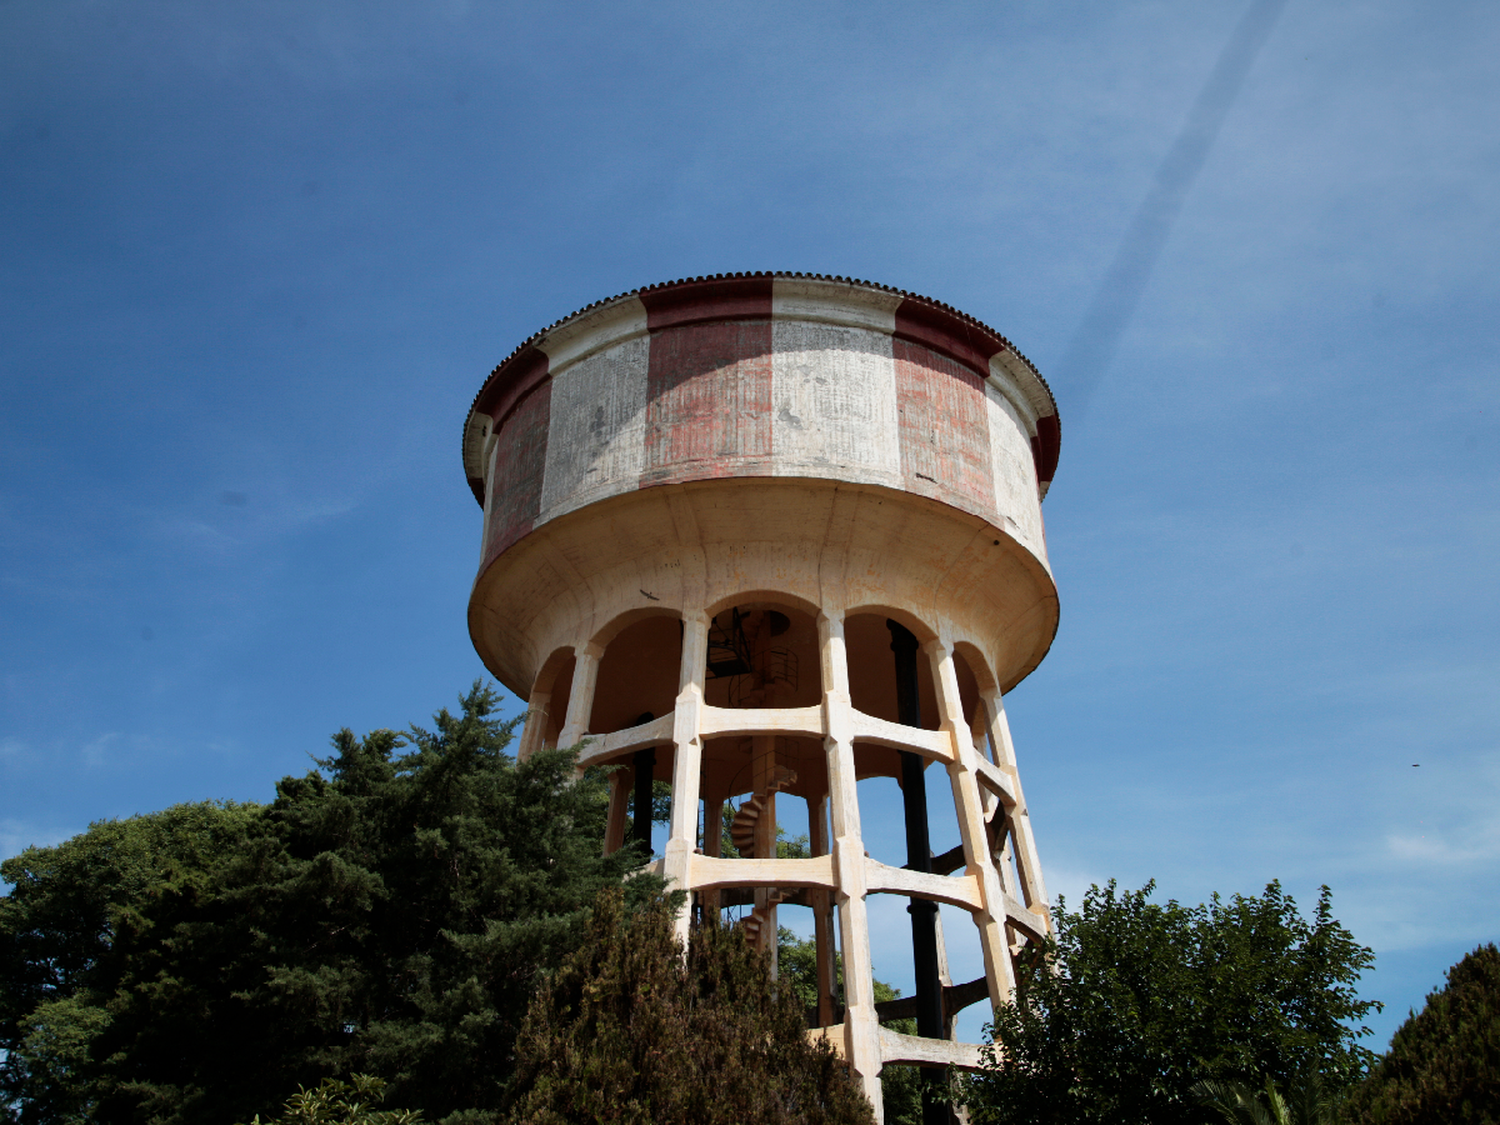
(1444, 1061)
(1134, 1002)
(633, 1029)
(419, 914)
(389, 913)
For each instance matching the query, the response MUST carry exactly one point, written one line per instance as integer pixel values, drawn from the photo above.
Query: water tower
(765, 537)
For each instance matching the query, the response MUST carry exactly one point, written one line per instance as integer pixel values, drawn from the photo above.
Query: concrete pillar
(687, 762)
(861, 1027)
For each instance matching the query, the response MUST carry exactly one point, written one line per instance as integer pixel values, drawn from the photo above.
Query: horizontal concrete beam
(762, 720)
(935, 745)
(711, 872)
(599, 748)
(898, 1048)
(956, 890)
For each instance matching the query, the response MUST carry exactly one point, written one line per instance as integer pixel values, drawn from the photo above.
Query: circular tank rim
(942, 324)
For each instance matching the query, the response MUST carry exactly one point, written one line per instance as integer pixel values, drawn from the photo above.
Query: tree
(634, 1029)
(57, 928)
(797, 967)
(1444, 1061)
(389, 914)
(1133, 1002)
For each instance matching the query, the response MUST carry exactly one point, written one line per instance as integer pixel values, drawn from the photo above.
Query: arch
(639, 670)
(546, 677)
(763, 652)
(547, 705)
(619, 624)
(775, 597)
(919, 628)
(872, 665)
(979, 667)
(976, 683)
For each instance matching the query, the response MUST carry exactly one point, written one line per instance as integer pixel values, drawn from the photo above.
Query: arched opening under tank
(547, 709)
(763, 652)
(638, 673)
(636, 684)
(974, 678)
(764, 792)
(869, 640)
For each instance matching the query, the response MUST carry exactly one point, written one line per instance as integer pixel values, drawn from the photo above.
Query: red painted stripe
(944, 430)
(511, 382)
(1046, 446)
(719, 298)
(947, 332)
(520, 464)
(708, 402)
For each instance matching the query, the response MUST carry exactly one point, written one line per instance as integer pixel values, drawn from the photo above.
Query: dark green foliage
(57, 929)
(388, 915)
(333, 1102)
(1134, 1002)
(630, 1031)
(797, 968)
(1444, 1061)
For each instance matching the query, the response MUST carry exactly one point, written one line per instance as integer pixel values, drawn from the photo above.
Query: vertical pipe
(924, 912)
(645, 769)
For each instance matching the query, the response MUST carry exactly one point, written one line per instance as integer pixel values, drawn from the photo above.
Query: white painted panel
(593, 331)
(834, 302)
(1015, 472)
(596, 437)
(833, 403)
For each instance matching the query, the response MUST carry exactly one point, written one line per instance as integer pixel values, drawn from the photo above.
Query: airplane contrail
(1094, 342)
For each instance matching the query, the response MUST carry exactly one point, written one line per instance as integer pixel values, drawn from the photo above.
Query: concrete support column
(963, 775)
(822, 906)
(581, 696)
(1029, 865)
(534, 733)
(861, 1027)
(687, 763)
(619, 796)
(713, 838)
(763, 774)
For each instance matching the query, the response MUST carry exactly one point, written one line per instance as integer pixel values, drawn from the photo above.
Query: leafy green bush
(1134, 1002)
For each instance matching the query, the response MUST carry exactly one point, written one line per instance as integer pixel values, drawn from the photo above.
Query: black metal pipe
(924, 912)
(645, 768)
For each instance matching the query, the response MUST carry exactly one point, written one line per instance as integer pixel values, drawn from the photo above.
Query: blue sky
(256, 258)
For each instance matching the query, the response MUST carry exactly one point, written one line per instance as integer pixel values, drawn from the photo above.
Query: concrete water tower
(763, 537)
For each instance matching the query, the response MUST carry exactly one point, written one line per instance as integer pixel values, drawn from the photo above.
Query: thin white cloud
(1473, 844)
(96, 752)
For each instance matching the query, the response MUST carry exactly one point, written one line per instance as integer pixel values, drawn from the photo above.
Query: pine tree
(631, 1030)
(1444, 1061)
